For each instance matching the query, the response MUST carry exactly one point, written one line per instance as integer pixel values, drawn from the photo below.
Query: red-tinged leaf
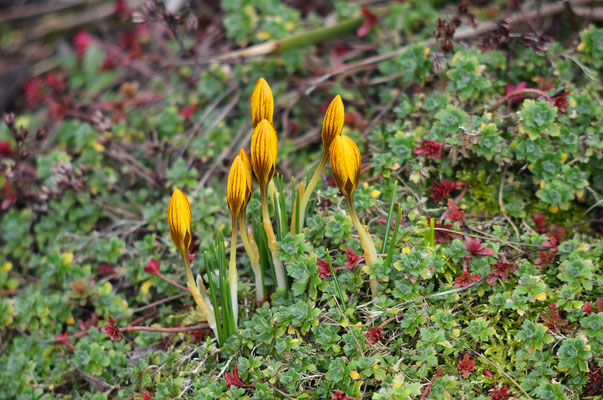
(370, 20)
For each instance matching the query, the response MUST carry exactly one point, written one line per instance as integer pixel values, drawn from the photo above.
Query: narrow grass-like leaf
(432, 232)
(390, 215)
(337, 287)
(392, 243)
(214, 300)
(298, 199)
(262, 242)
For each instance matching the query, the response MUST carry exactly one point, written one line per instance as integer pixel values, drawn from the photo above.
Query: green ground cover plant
(329, 200)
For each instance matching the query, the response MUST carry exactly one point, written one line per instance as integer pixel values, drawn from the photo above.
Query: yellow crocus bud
(264, 146)
(238, 191)
(262, 103)
(333, 122)
(179, 220)
(248, 174)
(345, 161)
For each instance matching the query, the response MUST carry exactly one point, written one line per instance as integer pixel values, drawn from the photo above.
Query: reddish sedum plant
(112, 330)
(430, 148)
(441, 190)
(373, 335)
(466, 366)
(465, 279)
(476, 248)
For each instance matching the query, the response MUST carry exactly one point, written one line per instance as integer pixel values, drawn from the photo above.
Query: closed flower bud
(264, 146)
(333, 122)
(249, 174)
(239, 189)
(179, 220)
(262, 103)
(345, 162)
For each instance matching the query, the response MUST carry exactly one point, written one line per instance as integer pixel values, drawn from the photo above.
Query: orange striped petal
(248, 173)
(345, 162)
(333, 122)
(236, 193)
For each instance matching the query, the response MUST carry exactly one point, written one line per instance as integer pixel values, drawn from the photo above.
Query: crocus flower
(264, 148)
(179, 221)
(476, 248)
(430, 148)
(345, 161)
(262, 103)
(239, 187)
(332, 125)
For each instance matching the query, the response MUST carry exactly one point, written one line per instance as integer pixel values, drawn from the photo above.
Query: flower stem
(206, 309)
(281, 282)
(232, 271)
(310, 188)
(370, 253)
(254, 257)
(159, 329)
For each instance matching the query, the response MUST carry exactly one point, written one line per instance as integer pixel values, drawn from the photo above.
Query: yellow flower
(540, 296)
(333, 122)
(179, 220)
(144, 288)
(67, 258)
(264, 147)
(7, 266)
(262, 103)
(354, 375)
(239, 188)
(345, 161)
